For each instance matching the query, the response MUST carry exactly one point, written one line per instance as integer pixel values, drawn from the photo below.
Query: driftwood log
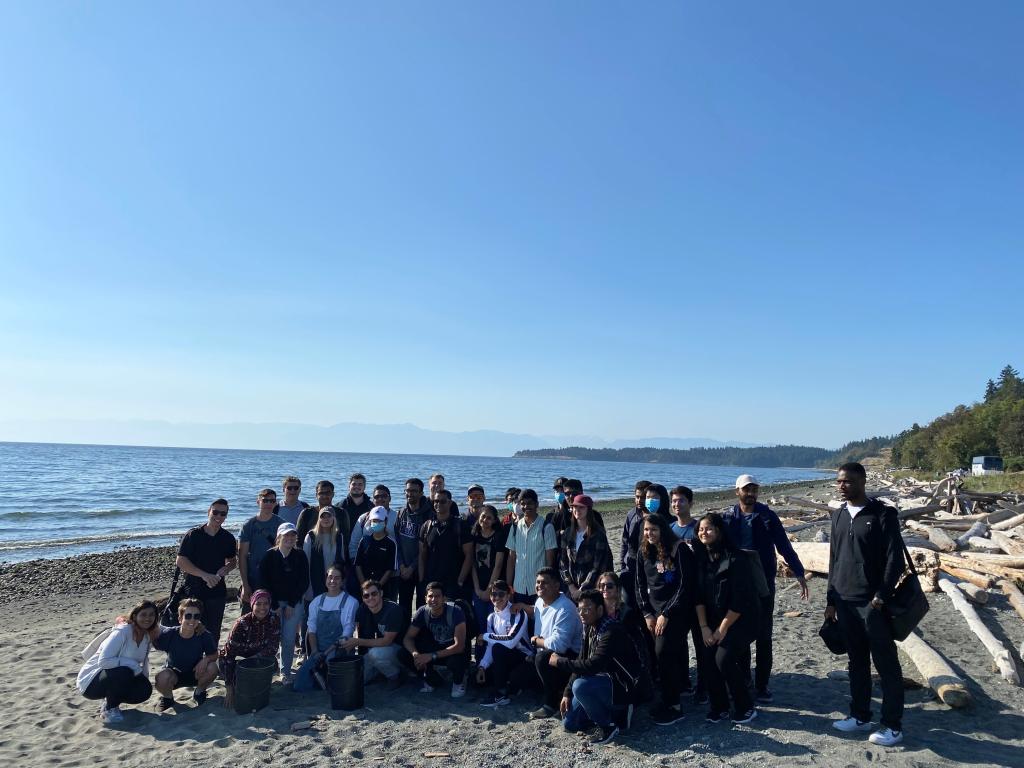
(974, 593)
(977, 529)
(1008, 544)
(978, 579)
(1014, 595)
(1006, 525)
(948, 686)
(1003, 659)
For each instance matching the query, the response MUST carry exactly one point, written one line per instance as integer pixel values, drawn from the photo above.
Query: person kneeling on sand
(437, 637)
(256, 633)
(559, 630)
(508, 648)
(332, 619)
(118, 670)
(191, 656)
(378, 624)
(606, 679)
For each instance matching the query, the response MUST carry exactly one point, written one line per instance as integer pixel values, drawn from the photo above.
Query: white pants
(382, 659)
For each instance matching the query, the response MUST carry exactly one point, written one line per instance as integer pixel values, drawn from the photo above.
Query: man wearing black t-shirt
(206, 556)
(378, 625)
(445, 547)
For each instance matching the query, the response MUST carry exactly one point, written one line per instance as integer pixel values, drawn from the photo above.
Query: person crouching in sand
(191, 656)
(118, 671)
(256, 633)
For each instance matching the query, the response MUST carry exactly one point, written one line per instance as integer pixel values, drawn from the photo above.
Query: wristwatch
(433, 656)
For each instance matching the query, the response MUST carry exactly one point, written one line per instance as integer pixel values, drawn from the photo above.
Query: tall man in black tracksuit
(865, 564)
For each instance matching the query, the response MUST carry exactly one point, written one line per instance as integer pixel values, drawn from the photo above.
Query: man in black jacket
(607, 678)
(865, 564)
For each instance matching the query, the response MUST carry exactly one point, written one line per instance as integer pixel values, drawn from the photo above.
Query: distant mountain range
(346, 436)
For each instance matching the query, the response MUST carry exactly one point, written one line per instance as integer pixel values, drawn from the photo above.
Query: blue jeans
(591, 704)
(288, 629)
(482, 609)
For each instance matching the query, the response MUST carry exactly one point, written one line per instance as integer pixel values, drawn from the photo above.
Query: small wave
(12, 546)
(49, 511)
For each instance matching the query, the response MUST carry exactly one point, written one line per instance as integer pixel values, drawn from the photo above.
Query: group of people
(515, 600)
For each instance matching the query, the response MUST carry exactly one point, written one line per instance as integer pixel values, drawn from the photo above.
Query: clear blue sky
(782, 222)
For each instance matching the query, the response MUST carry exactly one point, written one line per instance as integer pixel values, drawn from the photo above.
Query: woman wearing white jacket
(118, 671)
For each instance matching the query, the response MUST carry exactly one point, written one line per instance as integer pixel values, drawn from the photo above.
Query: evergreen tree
(990, 391)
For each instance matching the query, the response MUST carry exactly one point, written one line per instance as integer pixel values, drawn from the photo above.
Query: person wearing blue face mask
(377, 554)
(656, 501)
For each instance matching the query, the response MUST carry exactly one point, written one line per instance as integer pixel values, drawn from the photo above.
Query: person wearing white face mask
(377, 554)
(513, 511)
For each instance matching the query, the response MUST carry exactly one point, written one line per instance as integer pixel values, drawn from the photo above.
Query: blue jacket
(769, 536)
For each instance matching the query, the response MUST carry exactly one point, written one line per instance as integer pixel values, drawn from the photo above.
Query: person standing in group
(865, 564)
(356, 503)
(417, 510)
(381, 500)
(324, 548)
(284, 571)
(727, 607)
(437, 637)
(665, 576)
(488, 561)
(532, 544)
(191, 656)
(379, 623)
(585, 553)
(632, 529)
(561, 514)
(254, 541)
(446, 548)
(754, 526)
(684, 527)
(377, 555)
(435, 483)
(512, 506)
(324, 498)
(475, 499)
(607, 677)
(291, 508)
(118, 670)
(208, 553)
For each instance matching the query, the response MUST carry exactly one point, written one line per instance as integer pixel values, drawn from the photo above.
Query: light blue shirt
(559, 624)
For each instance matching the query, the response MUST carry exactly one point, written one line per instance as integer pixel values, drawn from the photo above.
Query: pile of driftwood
(963, 543)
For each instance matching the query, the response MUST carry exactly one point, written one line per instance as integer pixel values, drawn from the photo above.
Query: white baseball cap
(743, 480)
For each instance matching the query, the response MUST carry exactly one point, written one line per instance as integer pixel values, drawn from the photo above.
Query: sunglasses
(268, 500)
(368, 595)
(189, 616)
(292, 487)
(218, 513)
(606, 587)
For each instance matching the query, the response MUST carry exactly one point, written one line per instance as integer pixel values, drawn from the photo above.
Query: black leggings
(118, 686)
(673, 656)
(723, 675)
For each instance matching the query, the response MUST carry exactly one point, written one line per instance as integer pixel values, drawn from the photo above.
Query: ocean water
(63, 500)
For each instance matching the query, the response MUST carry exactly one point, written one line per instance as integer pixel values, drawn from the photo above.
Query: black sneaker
(165, 703)
(605, 734)
(199, 697)
(745, 717)
(764, 696)
(701, 698)
(717, 717)
(666, 715)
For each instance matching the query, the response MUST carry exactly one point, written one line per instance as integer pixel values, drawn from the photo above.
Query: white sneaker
(458, 690)
(851, 724)
(427, 688)
(112, 715)
(886, 737)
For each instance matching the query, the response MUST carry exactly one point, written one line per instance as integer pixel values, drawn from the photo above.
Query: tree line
(992, 427)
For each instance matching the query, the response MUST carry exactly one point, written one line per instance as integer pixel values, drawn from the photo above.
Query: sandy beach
(53, 608)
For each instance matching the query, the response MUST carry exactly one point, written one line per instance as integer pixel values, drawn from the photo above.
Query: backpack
(757, 571)
(472, 629)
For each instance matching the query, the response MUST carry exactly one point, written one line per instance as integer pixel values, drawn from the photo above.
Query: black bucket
(345, 682)
(252, 683)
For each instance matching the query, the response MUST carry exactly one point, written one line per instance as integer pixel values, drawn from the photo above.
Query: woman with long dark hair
(727, 611)
(118, 670)
(665, 578)
(488, 561)
(585, 552)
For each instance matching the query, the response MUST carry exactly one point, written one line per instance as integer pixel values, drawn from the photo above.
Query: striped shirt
(530, 542)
